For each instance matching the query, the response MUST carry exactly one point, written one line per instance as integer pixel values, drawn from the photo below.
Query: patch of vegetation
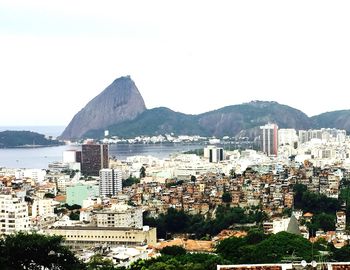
(130, 181)
(12, 139)
(36, 251)
(197, 226)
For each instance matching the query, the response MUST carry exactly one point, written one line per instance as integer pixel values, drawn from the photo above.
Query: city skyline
(56, 57)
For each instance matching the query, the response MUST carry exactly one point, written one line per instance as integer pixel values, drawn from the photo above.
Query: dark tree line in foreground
(35, 251)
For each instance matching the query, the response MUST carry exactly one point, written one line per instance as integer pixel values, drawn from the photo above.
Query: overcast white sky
(190, 56)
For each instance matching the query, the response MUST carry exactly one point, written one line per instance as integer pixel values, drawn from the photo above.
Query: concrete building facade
(269, 139)
(94, 158)
(214, 154)
(85, 237)
(120, 216)
(13, 214)
(110, 182)
(78, 193)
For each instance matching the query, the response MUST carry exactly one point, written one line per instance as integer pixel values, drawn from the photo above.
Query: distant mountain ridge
(230, 120)
(336, 119)
(120, 109)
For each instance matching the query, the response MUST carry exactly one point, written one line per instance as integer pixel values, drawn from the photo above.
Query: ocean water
(39, 158)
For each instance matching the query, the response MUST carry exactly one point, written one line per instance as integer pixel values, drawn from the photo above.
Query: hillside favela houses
(295, 182)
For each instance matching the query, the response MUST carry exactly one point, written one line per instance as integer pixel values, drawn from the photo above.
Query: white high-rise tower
(110, 182)
(269, 139)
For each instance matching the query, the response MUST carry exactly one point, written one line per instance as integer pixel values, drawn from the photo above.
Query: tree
(142, 172)
(232, 173)
(162, 266)
(226, 197)
(229, 248)
(49, 195)
(281, 245)
(72, 207)
(98, 262)
(322, 221)
(176, 221)
(74, 215)
(255, 236)
(36, 251)
(193, 178)
(257, 248)
(342, 254)
(173, 251)
(130, 181)
(188, 261)
(299, 190)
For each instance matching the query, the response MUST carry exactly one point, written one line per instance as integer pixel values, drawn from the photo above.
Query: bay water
(39, 158)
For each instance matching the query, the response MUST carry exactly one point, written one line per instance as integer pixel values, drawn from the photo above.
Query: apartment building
(13, 214)
(269, 139)
(110, 182)
(94, 157)
(120, 216)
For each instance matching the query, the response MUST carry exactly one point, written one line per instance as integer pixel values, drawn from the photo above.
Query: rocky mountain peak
(120, 101)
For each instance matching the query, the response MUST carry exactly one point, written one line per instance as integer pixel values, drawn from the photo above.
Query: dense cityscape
(174, 135)
(119, 213)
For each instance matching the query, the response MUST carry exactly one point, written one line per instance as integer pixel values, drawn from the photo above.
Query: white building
(214, 154)
(287, 136)
(269, 139)
(341, 221)
(69, 156)
(110, 182)
(62, 183)
(38, 175)
(324, 134)
(120, 216)
(13, 214)
(284, 224)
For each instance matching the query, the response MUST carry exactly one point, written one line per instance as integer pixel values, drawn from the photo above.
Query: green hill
(336, 119)
(230, 120)
(11, 139)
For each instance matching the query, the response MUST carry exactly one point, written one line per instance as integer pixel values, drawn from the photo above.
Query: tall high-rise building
(269, 139)
(214, 154)
(94, 157)
(110, 182)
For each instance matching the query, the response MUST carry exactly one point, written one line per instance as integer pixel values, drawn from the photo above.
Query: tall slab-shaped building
(94, 157)
(269, 139)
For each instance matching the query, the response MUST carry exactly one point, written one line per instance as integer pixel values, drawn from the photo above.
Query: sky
(190, 56)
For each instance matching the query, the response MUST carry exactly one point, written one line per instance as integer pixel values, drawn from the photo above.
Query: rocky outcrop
(119, 102)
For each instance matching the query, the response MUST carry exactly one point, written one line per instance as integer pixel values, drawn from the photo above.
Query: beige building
(120, 216)
(85, 237)
(43, 208)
